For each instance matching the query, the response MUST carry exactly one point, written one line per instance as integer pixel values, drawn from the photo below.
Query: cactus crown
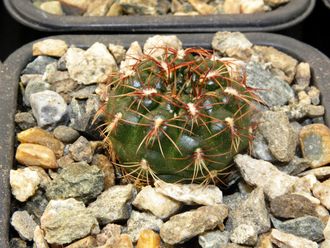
(178, 117)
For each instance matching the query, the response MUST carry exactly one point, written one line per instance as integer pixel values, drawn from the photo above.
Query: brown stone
(50, 47)
(148, 239)
(88, 242)
(103, 163)
(41, 137)
(292, 206)
(36, 155)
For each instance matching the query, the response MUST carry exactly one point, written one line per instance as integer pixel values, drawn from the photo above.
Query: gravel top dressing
(164, 146)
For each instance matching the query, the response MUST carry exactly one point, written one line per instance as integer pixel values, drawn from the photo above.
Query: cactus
(180, 117)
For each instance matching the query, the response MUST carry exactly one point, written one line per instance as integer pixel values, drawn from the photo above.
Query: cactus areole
(180, 117)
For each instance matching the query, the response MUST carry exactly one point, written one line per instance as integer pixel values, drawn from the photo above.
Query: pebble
(98, 7)
(303, 76)
(103, 163)
(65, 88)
(139, 7)
(233, 44)
(50, 47)
(109, 235)
(91, 66)
(279, 61)
(325, 244)
(74, 7)
(113, 204)
(148, 199)
(190, 194)
(79, 180)
(39, 238)
(34, 86)
(84, 93)
(133, 53)
(315, 144)
(314, 94)
(67, 220)
(36, 155)
(24, 224)
(82, 112)
(118, 52)
(253, 171)
(260, 148)
(273, 91)
(36, 205)
(124, 241)
(24, 183)
(245, 235)
(184, 226)
(81, 150)
(213, 239)
(292, 206)
(285, 240)
(66, 134)
(48, 107)
(322, 192)
(308, 227)
(295, 166)
(252, 212)
(148, 239)
(252, 6)
(232, 6)
(279, 135)
(141, 221)
(155, 46)
(25, 120)
(38, 65)
(326, 231)
(264, 241)
(41, 137)
(44, 177)
(52, 7)
(88, 242)
(17, 243)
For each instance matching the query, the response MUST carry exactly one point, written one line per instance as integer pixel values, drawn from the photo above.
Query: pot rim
(281, 18)
(11, 69)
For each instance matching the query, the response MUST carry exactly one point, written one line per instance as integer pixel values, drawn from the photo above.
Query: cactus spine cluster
(180, 117)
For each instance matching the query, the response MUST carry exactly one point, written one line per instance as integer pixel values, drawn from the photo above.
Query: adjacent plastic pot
(281, 18)
(327, 3)
(15, 63)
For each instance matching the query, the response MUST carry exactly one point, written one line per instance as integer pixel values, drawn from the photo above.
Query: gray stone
(82, 112)
(292, 206)
(271, 90)
(48, 107)
(295, 166)
(190, 194)
(32, 87)
(276, 183)
(187, 225)
(113, 204)
(244, 235)
(157, 203)
(36, 205)
(308, 227)
(260, 148)
(67, 220)
(79, 180)
(286, 240)
(321, 173)
(38, 65)
(24, 224)
(233, 44)
(213, 239)
(279, 135)
(84, 93)
(232, 201)
(253, 212)
(141, 221)
(66, 134)
(25, 120)
(82, 150)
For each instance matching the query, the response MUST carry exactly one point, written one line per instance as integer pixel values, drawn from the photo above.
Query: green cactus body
(179, 117)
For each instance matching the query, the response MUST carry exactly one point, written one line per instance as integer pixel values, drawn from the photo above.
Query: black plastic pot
(327, 3)
(15, 63)
(281, 18)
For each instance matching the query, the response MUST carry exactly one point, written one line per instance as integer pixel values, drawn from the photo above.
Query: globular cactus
(179, 117)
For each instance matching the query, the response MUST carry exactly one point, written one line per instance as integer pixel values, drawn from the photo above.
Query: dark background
(315, 30)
